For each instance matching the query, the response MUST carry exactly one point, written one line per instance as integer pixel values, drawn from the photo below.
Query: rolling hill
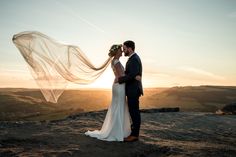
(29, 104)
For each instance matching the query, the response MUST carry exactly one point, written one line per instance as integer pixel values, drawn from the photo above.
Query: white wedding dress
(116, 125)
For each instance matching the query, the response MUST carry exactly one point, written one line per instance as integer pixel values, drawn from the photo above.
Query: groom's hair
(130, 44)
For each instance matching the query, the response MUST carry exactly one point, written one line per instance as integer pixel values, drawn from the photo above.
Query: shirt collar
(131, 55)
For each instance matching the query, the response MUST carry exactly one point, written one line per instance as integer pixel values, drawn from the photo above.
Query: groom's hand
(116, 80)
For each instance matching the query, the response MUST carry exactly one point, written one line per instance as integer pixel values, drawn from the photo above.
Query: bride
(116, 125)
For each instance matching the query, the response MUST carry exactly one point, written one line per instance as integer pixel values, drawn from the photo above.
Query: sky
(180, 42)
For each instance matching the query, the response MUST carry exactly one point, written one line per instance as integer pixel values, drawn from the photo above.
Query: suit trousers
(133, 104)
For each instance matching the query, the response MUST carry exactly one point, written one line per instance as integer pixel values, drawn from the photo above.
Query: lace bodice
(113, 63)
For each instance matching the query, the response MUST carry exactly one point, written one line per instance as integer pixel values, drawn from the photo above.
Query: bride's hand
(138, 77)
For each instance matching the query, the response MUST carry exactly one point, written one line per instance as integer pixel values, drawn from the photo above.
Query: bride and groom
(122, 121)
(54, 64)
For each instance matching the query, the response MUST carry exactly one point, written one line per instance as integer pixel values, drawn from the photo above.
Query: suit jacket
(133, 87)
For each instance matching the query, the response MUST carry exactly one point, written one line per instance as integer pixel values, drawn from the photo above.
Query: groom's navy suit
(133, 90)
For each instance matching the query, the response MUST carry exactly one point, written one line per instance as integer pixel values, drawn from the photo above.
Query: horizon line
(110, 88)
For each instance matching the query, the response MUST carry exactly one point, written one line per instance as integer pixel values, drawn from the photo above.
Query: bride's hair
(113, 49)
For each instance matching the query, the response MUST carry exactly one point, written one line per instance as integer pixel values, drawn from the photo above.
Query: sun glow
(104, 81)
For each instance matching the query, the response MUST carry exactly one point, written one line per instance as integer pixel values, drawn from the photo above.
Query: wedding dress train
(116, 125)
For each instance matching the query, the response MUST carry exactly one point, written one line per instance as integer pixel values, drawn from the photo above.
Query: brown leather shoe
(131, 139)
(126, 138)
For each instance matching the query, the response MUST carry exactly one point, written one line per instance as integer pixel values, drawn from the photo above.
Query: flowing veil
(53, 64)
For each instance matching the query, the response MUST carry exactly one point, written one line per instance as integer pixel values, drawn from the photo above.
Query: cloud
(201, 72)
(161, 75)
(76, 16)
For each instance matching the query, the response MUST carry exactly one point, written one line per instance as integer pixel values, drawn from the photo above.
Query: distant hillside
(190, 98)
(30, 103)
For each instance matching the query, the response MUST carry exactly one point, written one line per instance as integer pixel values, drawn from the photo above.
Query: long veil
(53, 64)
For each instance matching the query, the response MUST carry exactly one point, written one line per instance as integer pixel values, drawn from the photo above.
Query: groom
(133, 88)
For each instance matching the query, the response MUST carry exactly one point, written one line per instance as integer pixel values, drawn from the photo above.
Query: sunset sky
(180, 42)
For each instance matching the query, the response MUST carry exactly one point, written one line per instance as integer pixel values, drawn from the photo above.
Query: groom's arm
(133, 72)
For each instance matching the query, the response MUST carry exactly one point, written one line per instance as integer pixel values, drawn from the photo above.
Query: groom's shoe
(131, 139)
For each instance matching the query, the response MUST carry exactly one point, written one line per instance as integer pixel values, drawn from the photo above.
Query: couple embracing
(122, 121)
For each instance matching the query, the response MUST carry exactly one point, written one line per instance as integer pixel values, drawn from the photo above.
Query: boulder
(228, 109)
(154, 110)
